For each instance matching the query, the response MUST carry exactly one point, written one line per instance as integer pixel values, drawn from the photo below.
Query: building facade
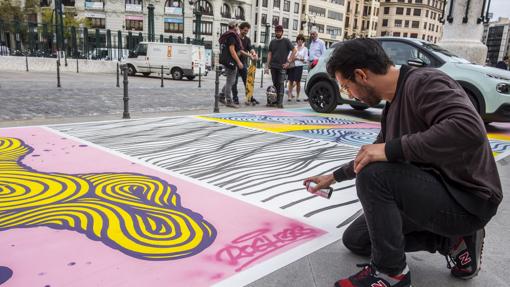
(327, 16)
(497, 38)
(268, 13)
(420, 19)
(361, 19)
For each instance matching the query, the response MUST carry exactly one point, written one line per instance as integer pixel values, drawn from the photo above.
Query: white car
(488, 88)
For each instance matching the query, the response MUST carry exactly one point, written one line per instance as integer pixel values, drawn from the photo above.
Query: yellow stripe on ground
(270, 127)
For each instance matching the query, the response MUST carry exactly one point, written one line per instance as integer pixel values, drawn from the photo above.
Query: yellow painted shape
(270, 127)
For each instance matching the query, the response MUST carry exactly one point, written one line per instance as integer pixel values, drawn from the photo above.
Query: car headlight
(503, 88)
(498, 77)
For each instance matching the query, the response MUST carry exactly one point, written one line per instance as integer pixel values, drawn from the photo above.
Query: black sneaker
(465, 257)
(222, 100)
(369, 277)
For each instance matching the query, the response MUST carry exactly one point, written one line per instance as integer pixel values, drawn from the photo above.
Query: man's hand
(266, 71)
(240, 65)
(285, 66)
(322, 181)
(367, 154)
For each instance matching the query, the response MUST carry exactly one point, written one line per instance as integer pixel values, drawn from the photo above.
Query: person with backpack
(230, 47)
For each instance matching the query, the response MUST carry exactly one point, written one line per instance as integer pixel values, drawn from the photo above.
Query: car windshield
(444, 54)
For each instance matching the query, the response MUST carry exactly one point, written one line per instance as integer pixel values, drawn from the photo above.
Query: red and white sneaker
(465, 258)
(369, 277)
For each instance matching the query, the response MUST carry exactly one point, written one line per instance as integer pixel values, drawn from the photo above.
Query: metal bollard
(77, 67)
(65, 59)
(217, 90)
(262, 78)
(118, 70)
(58, 73)
(26, 62)
(125, 115)
(199, 77)
(162, 76)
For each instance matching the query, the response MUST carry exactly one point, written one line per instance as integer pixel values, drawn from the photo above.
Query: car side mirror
(416, 62)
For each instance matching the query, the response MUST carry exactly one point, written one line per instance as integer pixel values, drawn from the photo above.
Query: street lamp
(150, 26)
(198, 14)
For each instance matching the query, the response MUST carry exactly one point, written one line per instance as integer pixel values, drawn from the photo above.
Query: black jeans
(243, 73)
(278, 77)
(406, 209)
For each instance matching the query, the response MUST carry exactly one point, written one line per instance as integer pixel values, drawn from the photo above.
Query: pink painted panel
(245, 234)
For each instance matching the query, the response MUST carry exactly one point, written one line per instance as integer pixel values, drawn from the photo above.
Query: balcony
(134, 8)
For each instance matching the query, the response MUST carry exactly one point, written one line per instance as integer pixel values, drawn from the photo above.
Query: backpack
(225, 57)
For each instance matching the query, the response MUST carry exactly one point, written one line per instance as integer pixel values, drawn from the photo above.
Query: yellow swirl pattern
(137, 214)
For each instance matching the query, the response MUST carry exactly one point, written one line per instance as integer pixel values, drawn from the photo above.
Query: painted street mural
(73, 214)
(336, 128)
(211, 200)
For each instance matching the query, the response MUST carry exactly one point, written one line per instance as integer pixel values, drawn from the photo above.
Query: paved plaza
(219, 164)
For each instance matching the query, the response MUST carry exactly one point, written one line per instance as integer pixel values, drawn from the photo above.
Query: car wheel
(359, 108)
(191, 78)
(146, 74)
(177, 74)
(322, 97)
(474, 101)
(131, 70)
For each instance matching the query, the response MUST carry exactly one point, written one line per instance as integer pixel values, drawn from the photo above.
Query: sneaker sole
(479, 250)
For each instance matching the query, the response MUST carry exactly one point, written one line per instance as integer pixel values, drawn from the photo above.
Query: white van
(178, 60)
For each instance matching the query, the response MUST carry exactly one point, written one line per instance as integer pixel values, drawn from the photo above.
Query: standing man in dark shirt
(230, 47)
(247, 52)
(277, 61)
(429, 181)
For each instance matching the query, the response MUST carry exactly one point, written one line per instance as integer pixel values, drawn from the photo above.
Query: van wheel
(146, 74)
(176, 74)
(191, 78)
(131, 70)
(322, 97)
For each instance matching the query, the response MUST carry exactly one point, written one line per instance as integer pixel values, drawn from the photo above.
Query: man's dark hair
(362, 53)
(244, 25)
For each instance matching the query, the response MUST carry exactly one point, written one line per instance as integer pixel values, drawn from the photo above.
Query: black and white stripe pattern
(264, 167)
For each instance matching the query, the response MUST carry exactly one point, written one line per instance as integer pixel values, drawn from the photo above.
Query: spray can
(325, 192)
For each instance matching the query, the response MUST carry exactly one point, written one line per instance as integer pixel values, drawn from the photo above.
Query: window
(396, 34)
(174, 27)
(385, 22)
(136, 25)
(295, 24)
(296, 8)
(141, 49)
(276, 20)
(256, 18)
(285, 23)
(335, 15)
(347, 22)
(137, 2)
(93, 4)
(426, 13)
(263, 19)
(320, 28)
(205, 7)
(97, 23)
(405, 34)
(205, 28)
(386, 10)
(276, 4)
(317, 11)
(417, 12)
(406, 24)
(225, 11)
(340, 2)
(400, 11)
(334, 31)
(415, 24)
(239, 13)
(408, 11)
(400, 53)
(414, 35)
(398, 23)
(384, 33)
(264, 3)
(223, 28)
(286, 5)
(173, 7)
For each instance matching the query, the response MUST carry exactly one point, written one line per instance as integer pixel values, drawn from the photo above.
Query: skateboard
(250, 82)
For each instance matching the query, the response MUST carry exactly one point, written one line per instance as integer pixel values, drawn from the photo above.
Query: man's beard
(370, 97)
(279, 37)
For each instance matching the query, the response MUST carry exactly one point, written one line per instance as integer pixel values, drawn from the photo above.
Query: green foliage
(10, 12)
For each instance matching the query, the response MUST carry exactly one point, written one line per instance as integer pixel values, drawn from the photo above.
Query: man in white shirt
(317, 46)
